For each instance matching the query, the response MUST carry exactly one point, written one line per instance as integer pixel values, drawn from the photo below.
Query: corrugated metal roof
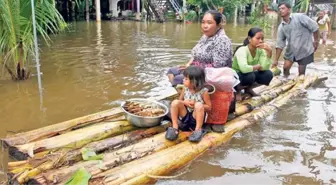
(325, 7)
(323, 1)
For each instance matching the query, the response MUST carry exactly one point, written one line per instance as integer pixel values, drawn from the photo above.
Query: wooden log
(76, 138)
(111, 159)
(63, 127)
(168, 160)
(39, 164)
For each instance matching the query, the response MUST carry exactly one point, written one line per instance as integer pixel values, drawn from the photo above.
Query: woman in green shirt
(252, 61)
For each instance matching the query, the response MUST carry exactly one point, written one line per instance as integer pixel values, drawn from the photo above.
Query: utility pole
(98, 18)
(87, 9)
(184, 10)
(37, 57)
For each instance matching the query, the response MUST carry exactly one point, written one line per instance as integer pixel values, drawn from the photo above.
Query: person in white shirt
(323, 22)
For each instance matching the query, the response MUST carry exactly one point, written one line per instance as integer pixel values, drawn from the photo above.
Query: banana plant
(302, 6)
(16, 32)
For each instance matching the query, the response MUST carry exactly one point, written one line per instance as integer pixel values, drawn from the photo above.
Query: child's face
(186, 82)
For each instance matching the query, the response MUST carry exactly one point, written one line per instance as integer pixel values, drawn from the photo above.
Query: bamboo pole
(111, 159)
(66, 126)
(166, 161)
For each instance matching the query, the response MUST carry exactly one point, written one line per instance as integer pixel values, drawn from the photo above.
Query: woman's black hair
(196, 76)
(217, 16)
(250, 34)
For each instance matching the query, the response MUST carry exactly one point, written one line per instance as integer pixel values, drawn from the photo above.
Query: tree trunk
(21, 72)
(43, 162)
(70, 7)
(10, 72)
(77, 138)
(65, 10)
(112, 159)
(213, 5)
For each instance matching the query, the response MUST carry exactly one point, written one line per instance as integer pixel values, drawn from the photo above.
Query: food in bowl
(144, 109)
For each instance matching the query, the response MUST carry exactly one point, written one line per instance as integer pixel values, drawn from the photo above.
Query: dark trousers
(248, 79)
(260, 77)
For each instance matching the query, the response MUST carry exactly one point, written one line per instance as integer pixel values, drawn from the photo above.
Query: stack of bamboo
(51, 155)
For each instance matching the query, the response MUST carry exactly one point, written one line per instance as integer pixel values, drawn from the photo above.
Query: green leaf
(81, 177)
(16, 26)
(88, 154)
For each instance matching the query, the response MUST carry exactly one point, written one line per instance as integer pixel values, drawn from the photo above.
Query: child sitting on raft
(192, 107)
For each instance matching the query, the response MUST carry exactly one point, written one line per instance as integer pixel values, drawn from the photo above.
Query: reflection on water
(94, 66)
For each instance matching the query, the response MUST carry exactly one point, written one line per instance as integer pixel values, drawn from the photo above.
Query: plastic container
(220, 107)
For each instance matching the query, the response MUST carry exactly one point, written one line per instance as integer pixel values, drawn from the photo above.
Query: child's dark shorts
(188, 122)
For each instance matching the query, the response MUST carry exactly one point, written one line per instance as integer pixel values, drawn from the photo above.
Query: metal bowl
(140, 121)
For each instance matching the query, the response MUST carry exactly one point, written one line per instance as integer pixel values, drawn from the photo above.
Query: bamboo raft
(126, 154)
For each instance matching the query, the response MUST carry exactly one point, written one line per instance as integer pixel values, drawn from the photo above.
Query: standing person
(252, 62)
(192, 106)
(323, 22)
(298, 30)
(214, 49)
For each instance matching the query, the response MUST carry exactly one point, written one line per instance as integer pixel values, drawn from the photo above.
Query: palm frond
(16, 26)
(10, 28)
(302, 5)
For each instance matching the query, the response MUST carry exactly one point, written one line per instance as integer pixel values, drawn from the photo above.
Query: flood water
(92, 67)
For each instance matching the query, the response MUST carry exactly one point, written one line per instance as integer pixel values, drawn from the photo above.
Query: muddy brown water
(93, 67)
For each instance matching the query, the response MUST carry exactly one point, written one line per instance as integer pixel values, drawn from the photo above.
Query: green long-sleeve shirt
(243, 61)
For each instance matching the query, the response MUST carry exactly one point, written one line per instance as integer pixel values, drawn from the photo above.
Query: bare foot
(171, 78)
(251, 92)
(238, 96)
